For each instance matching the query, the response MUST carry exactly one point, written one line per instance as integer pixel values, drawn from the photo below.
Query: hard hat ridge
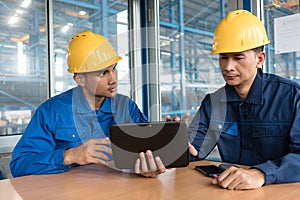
(239, 31)
(88, 52)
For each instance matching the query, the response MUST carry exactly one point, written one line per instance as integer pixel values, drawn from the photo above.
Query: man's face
(101, 83)
(239, 69)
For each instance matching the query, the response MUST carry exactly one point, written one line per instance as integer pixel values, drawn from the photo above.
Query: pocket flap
(66, 135)
(230, 128)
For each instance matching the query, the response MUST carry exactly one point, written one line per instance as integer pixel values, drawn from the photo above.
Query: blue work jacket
(262, 131)
(66, 121)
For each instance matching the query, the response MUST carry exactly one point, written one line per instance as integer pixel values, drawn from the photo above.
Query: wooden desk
(99, 182)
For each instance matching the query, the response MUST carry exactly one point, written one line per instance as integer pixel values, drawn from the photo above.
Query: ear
(79, 79)
(261, 57)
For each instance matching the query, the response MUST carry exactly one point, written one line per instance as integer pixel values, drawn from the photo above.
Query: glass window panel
(107, 17)
(188, 71)
(284, 64)
(23, 74)
(23, 47)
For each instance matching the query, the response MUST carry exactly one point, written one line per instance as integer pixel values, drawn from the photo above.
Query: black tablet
(168, 140)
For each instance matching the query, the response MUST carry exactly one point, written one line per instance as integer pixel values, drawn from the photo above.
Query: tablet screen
(168, 140)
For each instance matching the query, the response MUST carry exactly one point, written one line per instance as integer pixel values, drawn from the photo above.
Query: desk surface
(99, 182)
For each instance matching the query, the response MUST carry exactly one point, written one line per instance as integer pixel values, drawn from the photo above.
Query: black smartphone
(209, 170)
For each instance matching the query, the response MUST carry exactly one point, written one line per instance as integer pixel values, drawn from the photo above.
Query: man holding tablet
(72, 128)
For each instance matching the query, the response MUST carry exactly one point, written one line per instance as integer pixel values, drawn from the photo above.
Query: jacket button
(220, 126)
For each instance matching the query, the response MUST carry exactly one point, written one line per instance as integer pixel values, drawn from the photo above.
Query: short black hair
(258, 49)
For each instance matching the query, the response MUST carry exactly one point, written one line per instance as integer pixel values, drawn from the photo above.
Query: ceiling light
(19, 12)
(65, 28)
(82, 12)
(13, 20)
(25, 3)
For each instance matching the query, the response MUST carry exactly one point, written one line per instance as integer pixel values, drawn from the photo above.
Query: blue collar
(106, 106)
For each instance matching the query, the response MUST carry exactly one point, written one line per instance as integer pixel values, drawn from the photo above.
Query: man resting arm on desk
(73, 128)
(254, 119)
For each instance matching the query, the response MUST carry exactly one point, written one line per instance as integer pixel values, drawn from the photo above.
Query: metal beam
(186, 29)
(79, 3)
(17, 99)
(182, 54)
(153, 58)
(135, 60)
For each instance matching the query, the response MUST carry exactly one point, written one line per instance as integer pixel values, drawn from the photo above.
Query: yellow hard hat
(239, 31)
(89, 52)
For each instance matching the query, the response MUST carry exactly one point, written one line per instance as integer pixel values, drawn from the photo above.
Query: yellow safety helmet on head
(239, 31)
(89, 52)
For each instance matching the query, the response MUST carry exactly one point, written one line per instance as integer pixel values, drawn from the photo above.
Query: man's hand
(92, 151)
(155, 167)
(192, 150)
(235, 178)
(177, 118)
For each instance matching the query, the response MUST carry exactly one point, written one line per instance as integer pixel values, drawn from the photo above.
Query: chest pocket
(268, 130)
(270, 141)
(66, 138)
(66, 135)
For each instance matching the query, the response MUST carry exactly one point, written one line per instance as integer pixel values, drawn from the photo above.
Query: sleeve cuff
(269, 170)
